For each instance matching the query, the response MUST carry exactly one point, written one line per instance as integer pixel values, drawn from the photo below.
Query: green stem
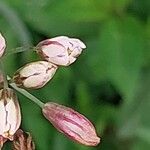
(19, 50)
(27, 94)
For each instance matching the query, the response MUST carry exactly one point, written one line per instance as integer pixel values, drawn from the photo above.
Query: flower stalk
(27, 94)
(19, 50)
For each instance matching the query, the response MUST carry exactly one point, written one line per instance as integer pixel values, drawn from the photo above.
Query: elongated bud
(23, 141)
(60, 50)
(2, 45)
(10, 116)
(35, 75)
(71, 123)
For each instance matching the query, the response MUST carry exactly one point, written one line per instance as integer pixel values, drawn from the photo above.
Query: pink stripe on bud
(2, 45)
(71, 123)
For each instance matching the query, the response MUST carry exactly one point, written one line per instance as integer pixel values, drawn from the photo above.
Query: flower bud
(35, 75)
(10, 116)
(2, 45)
(23, 141)
(60, 50)
(71, 123)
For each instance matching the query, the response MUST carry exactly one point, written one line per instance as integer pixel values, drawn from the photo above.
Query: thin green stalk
(27, 94)
(19, 50)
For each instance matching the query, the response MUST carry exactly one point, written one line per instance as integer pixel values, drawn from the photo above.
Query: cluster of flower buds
(58, 51)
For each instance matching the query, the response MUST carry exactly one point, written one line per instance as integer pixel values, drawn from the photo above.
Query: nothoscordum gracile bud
(10, 116)
(35, 75)
(23, 141)
(2, 45)
(60, 50)
(71, 123)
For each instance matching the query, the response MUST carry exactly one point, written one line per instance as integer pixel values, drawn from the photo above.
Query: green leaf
(121, 50)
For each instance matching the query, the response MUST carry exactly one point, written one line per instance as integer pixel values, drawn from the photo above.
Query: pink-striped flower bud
(10, 116)
(35, 75)
(2, 45)
(71, 123)
(60, 50)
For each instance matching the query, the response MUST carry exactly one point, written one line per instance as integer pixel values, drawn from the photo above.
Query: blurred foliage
(110, 82)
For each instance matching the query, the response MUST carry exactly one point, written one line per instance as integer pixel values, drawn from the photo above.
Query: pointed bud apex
(2, 45)
(35, 75)
(10, 116)
(60, 50)
(71, 123)
(23, 141)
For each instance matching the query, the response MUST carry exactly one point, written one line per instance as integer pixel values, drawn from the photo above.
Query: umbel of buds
(60, 50)
(2, 45)
(34, 75)
(10, 116)
(71, 123)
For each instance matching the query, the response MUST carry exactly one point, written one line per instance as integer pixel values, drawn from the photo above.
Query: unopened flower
(2, 45)
(35, 75)
(10, 116)
(60, 50)
(71, 123)
(23, 141)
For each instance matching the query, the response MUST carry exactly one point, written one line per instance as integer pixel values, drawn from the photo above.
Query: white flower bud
(2, 45)
(60, 50)
(10, 116)
(35, 75)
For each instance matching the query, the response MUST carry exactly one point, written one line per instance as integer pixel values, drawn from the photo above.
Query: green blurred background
(110, 82)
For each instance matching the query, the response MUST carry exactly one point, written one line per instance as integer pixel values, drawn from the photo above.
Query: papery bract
(35, 75)
(10, 116)
(23, 141)
(71, 123)
(2, 45)
(60, 50)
